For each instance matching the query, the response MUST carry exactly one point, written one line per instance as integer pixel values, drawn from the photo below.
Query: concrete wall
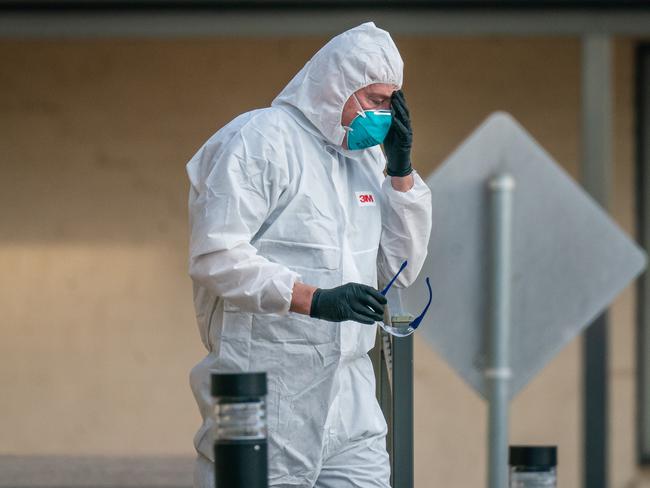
(97, 334)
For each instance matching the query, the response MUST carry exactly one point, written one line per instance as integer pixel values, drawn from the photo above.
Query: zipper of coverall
(342, 189)
(337, 184)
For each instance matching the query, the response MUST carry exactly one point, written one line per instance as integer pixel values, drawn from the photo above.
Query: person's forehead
(379, 89)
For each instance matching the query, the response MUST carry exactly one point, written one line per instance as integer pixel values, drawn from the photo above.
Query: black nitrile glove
(398, 141)
(352, 301)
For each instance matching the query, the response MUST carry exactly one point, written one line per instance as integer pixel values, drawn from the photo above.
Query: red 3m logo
(365, 199)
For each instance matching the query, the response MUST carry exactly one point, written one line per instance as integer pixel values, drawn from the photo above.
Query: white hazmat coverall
(275, 199)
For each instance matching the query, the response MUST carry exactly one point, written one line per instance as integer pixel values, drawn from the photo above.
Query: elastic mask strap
(362, 111)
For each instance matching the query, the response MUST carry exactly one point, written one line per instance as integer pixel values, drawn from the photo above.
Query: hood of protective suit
(352, 60)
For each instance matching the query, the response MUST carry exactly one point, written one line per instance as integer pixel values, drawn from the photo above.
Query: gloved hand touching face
(352, 301)
(398, 141)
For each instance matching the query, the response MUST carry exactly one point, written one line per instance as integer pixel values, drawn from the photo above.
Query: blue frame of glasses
(416, 321)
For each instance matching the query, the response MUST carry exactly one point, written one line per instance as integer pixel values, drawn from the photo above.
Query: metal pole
(393, 363)
(497, 372)
(643, 226)
(403, 476)
(596, 177)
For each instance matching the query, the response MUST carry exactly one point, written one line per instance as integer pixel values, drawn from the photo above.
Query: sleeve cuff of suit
(417, 191)
(279, 301)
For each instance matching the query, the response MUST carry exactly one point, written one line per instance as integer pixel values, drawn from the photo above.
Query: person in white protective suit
(293, 226)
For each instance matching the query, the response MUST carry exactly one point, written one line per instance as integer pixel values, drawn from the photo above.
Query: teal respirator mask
(368, 128)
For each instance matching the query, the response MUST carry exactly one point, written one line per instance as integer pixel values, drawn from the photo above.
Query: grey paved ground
(95, 472)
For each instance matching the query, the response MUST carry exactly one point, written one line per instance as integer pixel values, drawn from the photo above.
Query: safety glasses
(405, 328)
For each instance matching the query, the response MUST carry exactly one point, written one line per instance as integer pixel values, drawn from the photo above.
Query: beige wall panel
(92, 374)
(450, 427)
(98, 331)
(453, 84)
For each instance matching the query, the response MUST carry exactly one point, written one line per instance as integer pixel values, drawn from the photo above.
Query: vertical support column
(643, 229)
(403, 412)
(497, 372)
(596, 167)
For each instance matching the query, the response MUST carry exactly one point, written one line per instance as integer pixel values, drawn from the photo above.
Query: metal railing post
(497, 372)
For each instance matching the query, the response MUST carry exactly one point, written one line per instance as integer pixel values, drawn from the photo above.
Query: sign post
(497, 373)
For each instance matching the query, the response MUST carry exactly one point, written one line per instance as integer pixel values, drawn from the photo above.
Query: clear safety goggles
(403, 329)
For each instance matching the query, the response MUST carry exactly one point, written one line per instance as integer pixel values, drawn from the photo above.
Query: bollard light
(240, 447)
(533, 466)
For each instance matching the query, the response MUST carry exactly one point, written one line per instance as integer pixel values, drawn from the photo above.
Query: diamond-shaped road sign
(569, 259)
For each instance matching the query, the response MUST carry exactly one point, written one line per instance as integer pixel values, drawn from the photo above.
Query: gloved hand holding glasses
(352, 301)
(362, 303)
